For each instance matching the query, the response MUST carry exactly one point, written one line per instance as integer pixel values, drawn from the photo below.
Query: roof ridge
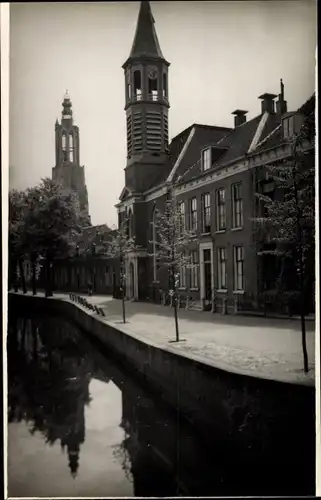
(204, 125)
(259, 130)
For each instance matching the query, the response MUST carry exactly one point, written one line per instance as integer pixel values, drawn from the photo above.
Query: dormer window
(288, 127)
(291, 125)
(206, 159)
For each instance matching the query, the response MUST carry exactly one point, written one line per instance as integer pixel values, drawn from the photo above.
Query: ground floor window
(222, 271)
(194, 269)
(182, 277)
(238, 268)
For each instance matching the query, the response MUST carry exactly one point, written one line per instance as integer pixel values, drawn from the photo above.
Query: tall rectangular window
(64, 146)
(206, 159)
(237, 205)
(181, 207)
(238, 268)
(71, 148)
(182, 276)
(206, 205)
(137, 85)
(220, 210)
(194, 269)
(221, 268)
(193, 214)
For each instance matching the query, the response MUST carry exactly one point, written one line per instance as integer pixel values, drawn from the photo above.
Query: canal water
(80, 425)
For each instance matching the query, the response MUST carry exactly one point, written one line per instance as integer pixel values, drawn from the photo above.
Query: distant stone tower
(146, 105)
(68, 170)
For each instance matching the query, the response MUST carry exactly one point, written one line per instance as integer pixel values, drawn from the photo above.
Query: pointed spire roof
(145, 41)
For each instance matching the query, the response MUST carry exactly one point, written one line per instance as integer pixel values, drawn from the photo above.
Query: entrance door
(207, 275)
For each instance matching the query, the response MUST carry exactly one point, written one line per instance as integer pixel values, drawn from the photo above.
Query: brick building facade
(215, 172)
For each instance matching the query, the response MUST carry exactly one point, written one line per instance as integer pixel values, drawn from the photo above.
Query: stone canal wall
(254, 415)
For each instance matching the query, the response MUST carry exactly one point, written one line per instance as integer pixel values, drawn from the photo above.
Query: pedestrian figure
(90, 288)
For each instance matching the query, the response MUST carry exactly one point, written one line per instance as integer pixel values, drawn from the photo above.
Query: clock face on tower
(152, 74)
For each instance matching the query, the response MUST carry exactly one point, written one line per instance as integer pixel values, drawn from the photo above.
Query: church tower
(68, 170)
(146, 105)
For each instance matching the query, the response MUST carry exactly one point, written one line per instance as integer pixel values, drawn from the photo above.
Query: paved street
(269, 348)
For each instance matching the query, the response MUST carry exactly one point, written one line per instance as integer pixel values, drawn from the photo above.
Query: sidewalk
(262, 347)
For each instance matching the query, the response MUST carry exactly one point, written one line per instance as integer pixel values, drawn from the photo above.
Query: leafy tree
(119, 245)
(17, 250)
(288, 223)
(50, 225)
(171, 241)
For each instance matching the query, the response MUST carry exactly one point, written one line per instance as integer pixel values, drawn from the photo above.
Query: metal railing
(83, 302)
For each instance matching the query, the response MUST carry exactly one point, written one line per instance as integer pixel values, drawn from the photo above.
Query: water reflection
(49, 383)
(111, 435)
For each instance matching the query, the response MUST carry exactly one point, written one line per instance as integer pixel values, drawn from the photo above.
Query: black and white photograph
(161, 336)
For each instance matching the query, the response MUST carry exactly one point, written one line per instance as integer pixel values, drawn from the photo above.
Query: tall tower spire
(68, 170)
(66, 107)
(146, 104)
(145, 40)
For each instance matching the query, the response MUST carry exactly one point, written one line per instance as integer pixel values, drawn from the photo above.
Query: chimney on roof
(239, 117)
(268, 103)
(281, 104)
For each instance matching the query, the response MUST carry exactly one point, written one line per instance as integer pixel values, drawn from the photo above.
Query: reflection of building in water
(74, 434)
(49, 383)
(167, 457)
(152, 445)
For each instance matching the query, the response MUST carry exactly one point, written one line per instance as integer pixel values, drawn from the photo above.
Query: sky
(223, 55)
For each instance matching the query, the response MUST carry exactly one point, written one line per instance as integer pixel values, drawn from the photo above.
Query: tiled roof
(228, 144)
(205, 135)
(275, 138)
(272, 141)
(239, 141)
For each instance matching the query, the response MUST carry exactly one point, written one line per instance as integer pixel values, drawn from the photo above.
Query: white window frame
(222, 268)
(237, 206)
(193, 212)
(182, 276)
(182, 222)
(238, 264)
(206, 212)
(220, 210)
(206, 159)
(194, 269)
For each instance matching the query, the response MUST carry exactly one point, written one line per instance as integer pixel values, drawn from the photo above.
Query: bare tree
(288, 222)
(118, 247)
(169, 246)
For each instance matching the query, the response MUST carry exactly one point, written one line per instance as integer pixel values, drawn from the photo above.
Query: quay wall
(232, 411)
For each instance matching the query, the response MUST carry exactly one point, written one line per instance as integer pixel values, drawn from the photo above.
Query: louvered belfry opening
(146, 103)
